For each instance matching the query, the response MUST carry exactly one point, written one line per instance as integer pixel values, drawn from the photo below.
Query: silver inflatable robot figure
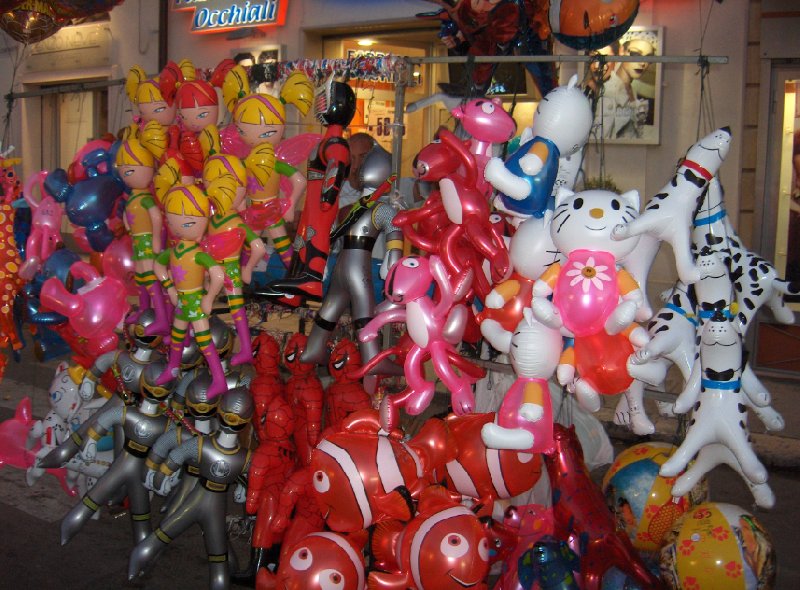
(351, 284)
(201, 413)
(128, 365)
(142, 426)
(222, 461)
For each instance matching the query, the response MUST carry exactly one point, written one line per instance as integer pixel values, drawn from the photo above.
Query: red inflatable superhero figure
(267, 384)
(346, 394)
(272, 465)
(298, 512)
(304, 393)
(335, 105)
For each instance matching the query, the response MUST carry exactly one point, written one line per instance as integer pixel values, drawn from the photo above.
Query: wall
(647, 168)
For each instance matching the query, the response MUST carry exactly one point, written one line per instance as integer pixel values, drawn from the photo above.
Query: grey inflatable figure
(351, 284)
(142, 425)
(222, 461)
(129, 365)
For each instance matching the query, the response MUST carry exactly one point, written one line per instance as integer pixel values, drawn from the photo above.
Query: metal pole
(656, 59)
(398, 129)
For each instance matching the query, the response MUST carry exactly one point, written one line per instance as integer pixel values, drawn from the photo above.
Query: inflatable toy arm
(216, 275)
(335, 173)
(370, 331)
(446, 296)
(295, 487)
(691, 392)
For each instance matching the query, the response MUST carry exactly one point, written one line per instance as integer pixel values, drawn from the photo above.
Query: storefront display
(494, 255)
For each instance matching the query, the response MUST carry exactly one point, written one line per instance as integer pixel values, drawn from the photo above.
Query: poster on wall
(629, 98)
(378, 119)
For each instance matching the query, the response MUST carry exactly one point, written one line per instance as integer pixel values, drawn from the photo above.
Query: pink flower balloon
(586, 291)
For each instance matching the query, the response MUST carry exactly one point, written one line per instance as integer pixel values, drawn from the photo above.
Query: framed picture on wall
(628, 94)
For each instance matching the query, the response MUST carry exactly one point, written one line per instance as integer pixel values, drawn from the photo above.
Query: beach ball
(641, 499)
(717, 546)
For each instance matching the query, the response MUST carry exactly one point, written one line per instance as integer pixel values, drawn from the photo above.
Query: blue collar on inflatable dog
(712, 384)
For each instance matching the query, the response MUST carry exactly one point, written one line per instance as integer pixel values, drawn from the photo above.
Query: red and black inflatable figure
(267, 383)
(496, 27)
(304, 393)
(346, 394)
(334, 106)
(272, 465)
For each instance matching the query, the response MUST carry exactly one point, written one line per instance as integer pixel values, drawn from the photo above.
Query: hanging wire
(19, 57)
(705, 116)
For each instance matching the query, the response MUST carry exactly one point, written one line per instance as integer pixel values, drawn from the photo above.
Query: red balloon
(580, 512)
(445, 547)
(601, 360)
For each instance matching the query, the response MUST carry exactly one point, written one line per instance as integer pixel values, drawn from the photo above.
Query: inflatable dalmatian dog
(716, 392)
(668, 215)
(756, 280)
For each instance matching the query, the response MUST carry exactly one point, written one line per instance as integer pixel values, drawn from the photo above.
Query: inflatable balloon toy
(145, 93)
(298, 512)
(471, 237)
(549, 563)
(717, 544)
(272, 465)
(135, 163)
(756, 280)
(715, 392)
(407, 286)
(94, 311)
(142, 425)
(487, 29)
(182, 270)
(221, 463)
(582, 24)
(259, 120)
(305, 394)
(444, 537)
(319, 561)
(580, 511)
(531, 252)
(528, 524)
(352, 279)
(197, 113)
(11, 280)
(486, 122)
(525, 419)
(45, 234)
(14, 450)
(473, 474)
(353, 491)
(424, 225)
(334, 107)
(591, 299)
(668, 215)
(68, 411)
(92, 198)
(642, 500)
(267, 383)
(560, 128)
(227, 231)
(345, 394)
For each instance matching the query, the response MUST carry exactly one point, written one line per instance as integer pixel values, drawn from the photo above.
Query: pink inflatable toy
(13, 443)
(431, 330)
(95, 310)
(45, 226)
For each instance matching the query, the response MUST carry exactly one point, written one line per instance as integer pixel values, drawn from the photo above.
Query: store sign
(223, 15)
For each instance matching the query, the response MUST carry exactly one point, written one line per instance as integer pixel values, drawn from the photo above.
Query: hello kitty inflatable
(593, 300)
(525, 419)
(560, 128)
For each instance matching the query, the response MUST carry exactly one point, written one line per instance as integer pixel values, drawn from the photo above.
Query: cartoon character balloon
(95, 310)
(444, 547)
(584, 24)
